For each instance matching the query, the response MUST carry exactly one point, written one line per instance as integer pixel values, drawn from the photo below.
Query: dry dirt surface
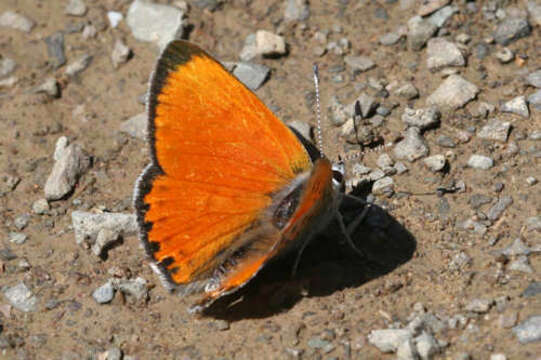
(447, 274)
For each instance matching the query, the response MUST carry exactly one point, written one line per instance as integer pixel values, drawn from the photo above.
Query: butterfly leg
(347, 231)
(359, 218)
(298, 258)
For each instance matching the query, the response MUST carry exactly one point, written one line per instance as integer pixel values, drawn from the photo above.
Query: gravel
(516, 106)
(480, 162)
(412, 147)
(16, 21)
(21, 297)
(496, 130)
(104, 294)
(499, 207)
(442, 53)
(252, 75)
(419, 31)
(87, 225)
(55, 49)
(511, 29)
(453, 93)
(297, 10)
(388, 340)
(421, 118)
(435, 163)
(135, 126)
(529, 330)
(359, 63)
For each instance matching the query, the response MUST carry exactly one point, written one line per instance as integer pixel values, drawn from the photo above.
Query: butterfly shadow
(327, 265)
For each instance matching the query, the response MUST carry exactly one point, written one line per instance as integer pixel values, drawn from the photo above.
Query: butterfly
(229, 186)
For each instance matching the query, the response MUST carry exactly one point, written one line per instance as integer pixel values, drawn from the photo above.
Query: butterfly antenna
(319, 133)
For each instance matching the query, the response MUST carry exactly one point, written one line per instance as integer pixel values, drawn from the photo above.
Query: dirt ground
(328, 310)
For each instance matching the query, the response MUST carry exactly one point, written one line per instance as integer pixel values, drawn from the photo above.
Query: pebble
(521, 263)
(407, 351)
(388, 340)
(318, 343)
(382, 186)
(7, 66)
(499, 207)
(104, 239)
(427, 346)
(533, 289)
(49, 87)
(517, 248)
(419, 31)
(445, 141)
(263, 43)
(496, 130)
(384, 161)
(121, 53)
(505, 55)
(534, 99)
(133, 287)
(529, 330)
(460, 261)
(8, 82)
(511, 29)
(517, 106)
(429, 6)
(155, 23)
(533, 223)
(111, 354)
(442, 53)
(40, 206)
(21, 221)
(453, 93)
(478, 200)
(498, 357)
(435, 163)
(412, 147)
(104, 294)
(17, 237)
(78, 65)
(440, 17)
(16, 21)
(250, 74)
(400, 167)
(60, 147)
(114, 18)
(297, 10)
(66, 171)
(531, 181)
(89, 31)
(534, 79)
(407, 91)
(474, 226)
(6, 254)
(359, 63)
(390, 38)
(55, 49)
(75, 8)
(424, 118)
(480, 162)
(463, 38)
(479, 306)
(507, 320)
(20, 297)
(135, 126)
(87, 225)
(534, 10)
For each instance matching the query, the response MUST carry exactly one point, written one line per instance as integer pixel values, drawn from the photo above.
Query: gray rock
(419, 31)
(429, 6)
(534, 10)
(383, 186)
(533, 289)
(440, 17)
(499, 207)
(17, 237)
(427, 346)
(478, 200)
(407, 351)
(78, 65)
(533, 223)
(445, 141)
(121, 53)
(529, 330)
(534, 79)
(55, 49)
(359, 63)
(453, 93)
(460, 261)
(384, 160)
(49, 87)
(75, 8)
(21, 298)
(480, 162)
(412, 147)
(505, 55)
(495, 130)
(16, 21)
(136, 126)
(498, 357)
(60, 147)
(155, 23)
(40, 206)
(479, 306)
(66, 172)
(522, 264)
(111, 354)
(534, 99)
(104, 294)
(375, 175)
(297, 10)
(87, 225)
(422, 118)
(400, 167)
(104, 239)
(318, 343)
(134, 287)
(249, 50)
(531, 180)
(473, 226)
(442, 53)
(250, 74)
(21, 221)
(407, 91)
(435, 163)
(517, 248)
(511, 29)
(7, 66)
(390, 38)
(517, 106)
(388, 340)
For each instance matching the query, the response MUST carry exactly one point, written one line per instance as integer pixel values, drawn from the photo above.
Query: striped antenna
(319, 133)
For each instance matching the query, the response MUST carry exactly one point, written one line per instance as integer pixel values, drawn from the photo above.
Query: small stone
(531, 181)
(445, 141)
(407, 351)
(20, 297)
(407, 91)
(105, 238)
(75, 8)
(104, 294)
(453, 93)
(55, 49)
(111, 354)
(419, 31)
(412, 147)
(136, 126)
(473, 226)
(463, 38)
(534, 10)
(533, 289)
(511, 29)
(440, 17)
(7, 66)
(388, 340)
(427, 346)
(136, 287)
(400, 167)
(442, 53)
(87, 225)
(359, 63)
(435, 163)
(505, 55)
(427, 7)
(269, 44)
(114, 18)
(66, 172)
(497, 209)
(496, 130)
(478, 200)
(297, 10)
(522, 264)
(460, 261)
(422, 118)
(78, 65)
(382, 186)
(480, 162)
(479, 306)
(17, 237)
(252, 75)
(40, 206)
(9, 82)
(16, 21)
(534, 79)
(529, 330)
(221, 325)
(517, 248)
(508, 320)
(498, 357)
(318, 343)
(533, 223)
(517, 106)
(6, 254)
(390, 38)
(21, 221)
(155, 23)
(121, 53)
(384, 160)
(60, 147)
(534, 99)
(49, 87)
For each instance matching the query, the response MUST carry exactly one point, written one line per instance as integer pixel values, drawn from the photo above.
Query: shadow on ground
(327, 265)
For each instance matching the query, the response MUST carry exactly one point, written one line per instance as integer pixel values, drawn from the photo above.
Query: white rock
(136, 287)
(517, 106)
(407, 351)
(8, 82)
(105, 238)
(427, 346)
(7, 66)
(480, 162)
(16, 21)
(453, 93)
(495, 130)
(60, 147)
(136, 126)
(388, 340)
(40, 206)
(20, 297)
(384, 185)
(269, 44)
(87, 225)
(435, 163)
(66, 172)
(78, 65)
(104, 294)
(412, 147)
(442, 53)
(75, 8)
(120, 54)
(114, 18)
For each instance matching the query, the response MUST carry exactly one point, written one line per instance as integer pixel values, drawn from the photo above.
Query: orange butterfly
(229, 186)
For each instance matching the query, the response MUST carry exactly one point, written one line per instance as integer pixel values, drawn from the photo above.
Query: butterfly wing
(218, 153)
